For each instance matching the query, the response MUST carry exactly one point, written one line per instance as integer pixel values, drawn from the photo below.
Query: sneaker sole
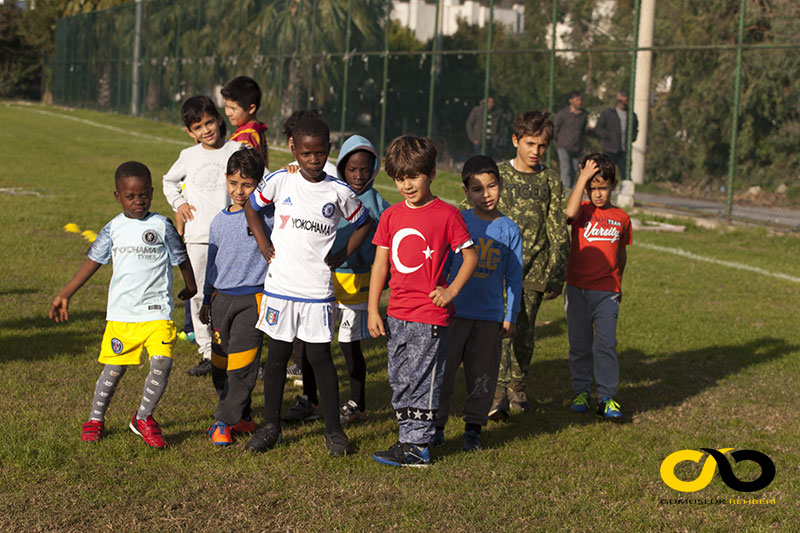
(401, 465)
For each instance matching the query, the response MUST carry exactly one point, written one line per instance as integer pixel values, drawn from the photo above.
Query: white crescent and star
(398, 238)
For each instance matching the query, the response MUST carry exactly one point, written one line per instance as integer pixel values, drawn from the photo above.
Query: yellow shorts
(123, 341)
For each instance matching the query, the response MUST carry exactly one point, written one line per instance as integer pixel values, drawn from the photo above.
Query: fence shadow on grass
(36, 339)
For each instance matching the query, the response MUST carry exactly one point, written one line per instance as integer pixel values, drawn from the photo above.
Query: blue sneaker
(220, 434)
(404, 454)
(609, 409)
(580, 404)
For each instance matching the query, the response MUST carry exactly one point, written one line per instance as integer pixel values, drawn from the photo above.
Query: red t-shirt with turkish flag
(597, 235)
(419, 240)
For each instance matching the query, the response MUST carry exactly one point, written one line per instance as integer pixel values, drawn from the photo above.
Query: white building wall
(418, 16)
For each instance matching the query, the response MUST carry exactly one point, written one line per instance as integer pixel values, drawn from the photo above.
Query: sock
(474, 427)
(319, 355)
(278, 355)
(356, 371)
(104, 390)
(309, 379)
(154, 385)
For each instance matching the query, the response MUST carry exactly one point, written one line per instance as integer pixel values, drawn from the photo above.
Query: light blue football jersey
(143, 252)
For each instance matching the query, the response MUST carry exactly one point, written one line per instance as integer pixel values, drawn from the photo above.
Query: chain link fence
(723, 94)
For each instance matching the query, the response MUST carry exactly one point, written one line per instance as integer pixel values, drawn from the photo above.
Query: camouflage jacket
(535, 201)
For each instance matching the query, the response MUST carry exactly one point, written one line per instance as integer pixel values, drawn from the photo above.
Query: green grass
(709, 357)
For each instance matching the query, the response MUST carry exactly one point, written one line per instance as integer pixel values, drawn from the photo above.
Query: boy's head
(310, 146)
(242, 99)
(358, 168)
(482, 183)
(411, 163)
(533, 131)
(600, 186)
(203, 122)
(288, 126)
(243, 173)
(133, 189)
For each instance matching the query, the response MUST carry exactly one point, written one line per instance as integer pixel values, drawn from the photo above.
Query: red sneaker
(92, 431)
(244, 426)
(148, 429)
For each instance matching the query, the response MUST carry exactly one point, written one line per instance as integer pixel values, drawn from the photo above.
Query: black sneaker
(265, 438)
(302, 410)
(338, 444)
(404, 454)
(203, 368)
(471, 441)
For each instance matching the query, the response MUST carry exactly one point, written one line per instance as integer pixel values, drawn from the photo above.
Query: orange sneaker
(148, 429)
(245, 425)
(220, 434)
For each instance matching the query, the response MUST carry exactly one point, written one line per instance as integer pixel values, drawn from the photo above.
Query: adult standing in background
(475, 123)
(570, 125)
(612, 129)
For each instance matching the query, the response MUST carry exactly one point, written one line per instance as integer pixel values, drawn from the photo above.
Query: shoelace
(581, 399)
(612, 405)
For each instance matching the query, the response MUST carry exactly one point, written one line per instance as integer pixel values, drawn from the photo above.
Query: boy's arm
(558, 237)
(188, 279)
(622, 260)
(574, 203)
(355, 240)
(59, 309)
(259, 233)
(171, 185)
(442, 296)
(377, 279)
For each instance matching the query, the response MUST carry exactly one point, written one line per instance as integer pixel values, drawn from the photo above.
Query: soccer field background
(709, 351)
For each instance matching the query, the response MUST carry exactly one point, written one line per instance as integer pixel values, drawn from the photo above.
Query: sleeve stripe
(358, 211)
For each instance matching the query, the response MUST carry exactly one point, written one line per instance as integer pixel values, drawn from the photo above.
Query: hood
(354, 144)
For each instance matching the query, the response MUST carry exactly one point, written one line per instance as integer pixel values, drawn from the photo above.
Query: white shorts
(284, 320)
(352, 323)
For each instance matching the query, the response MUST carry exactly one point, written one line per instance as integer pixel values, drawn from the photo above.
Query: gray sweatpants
(417, 354)
(592, 330)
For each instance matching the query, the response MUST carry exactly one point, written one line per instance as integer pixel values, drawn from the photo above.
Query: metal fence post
(735, 114)
(346, 70)
(489, 36)
(137, 51)
(552, 88)
(432, 85)
(385, 90)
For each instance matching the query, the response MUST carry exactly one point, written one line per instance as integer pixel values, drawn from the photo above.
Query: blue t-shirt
(499, 247)
(143, 252)
(235, 264)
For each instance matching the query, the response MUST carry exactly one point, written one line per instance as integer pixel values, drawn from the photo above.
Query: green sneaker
(580, 404)
(609, 409)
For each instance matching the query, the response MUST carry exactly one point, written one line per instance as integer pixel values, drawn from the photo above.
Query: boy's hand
(588, 170)
(205, 314)
(187, 293)
(292, 169)
(441, 296)
(550, 295)
(184, 212)
(59, 309)
(375, 325)
(334, 261)
(507, 329)
(268, 252)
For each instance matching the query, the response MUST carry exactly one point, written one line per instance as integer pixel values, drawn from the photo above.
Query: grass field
(709, 357)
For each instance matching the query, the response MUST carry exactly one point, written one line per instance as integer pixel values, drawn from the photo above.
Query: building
(419, 15)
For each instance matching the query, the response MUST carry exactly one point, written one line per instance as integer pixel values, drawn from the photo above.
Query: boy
(242, 100)
(234, 278)
(298, 292)
(600, 233)
(481, 317)
(202, 168)
(532, 197)
(413, 237)
(144, 246)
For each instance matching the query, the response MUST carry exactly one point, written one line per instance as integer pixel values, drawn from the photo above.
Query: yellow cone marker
(89, 235)
(72, 228)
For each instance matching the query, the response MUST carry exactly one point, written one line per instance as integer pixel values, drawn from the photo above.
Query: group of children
(287, 253)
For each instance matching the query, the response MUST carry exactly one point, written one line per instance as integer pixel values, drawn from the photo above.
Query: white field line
(123, 131)
(730, 264)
